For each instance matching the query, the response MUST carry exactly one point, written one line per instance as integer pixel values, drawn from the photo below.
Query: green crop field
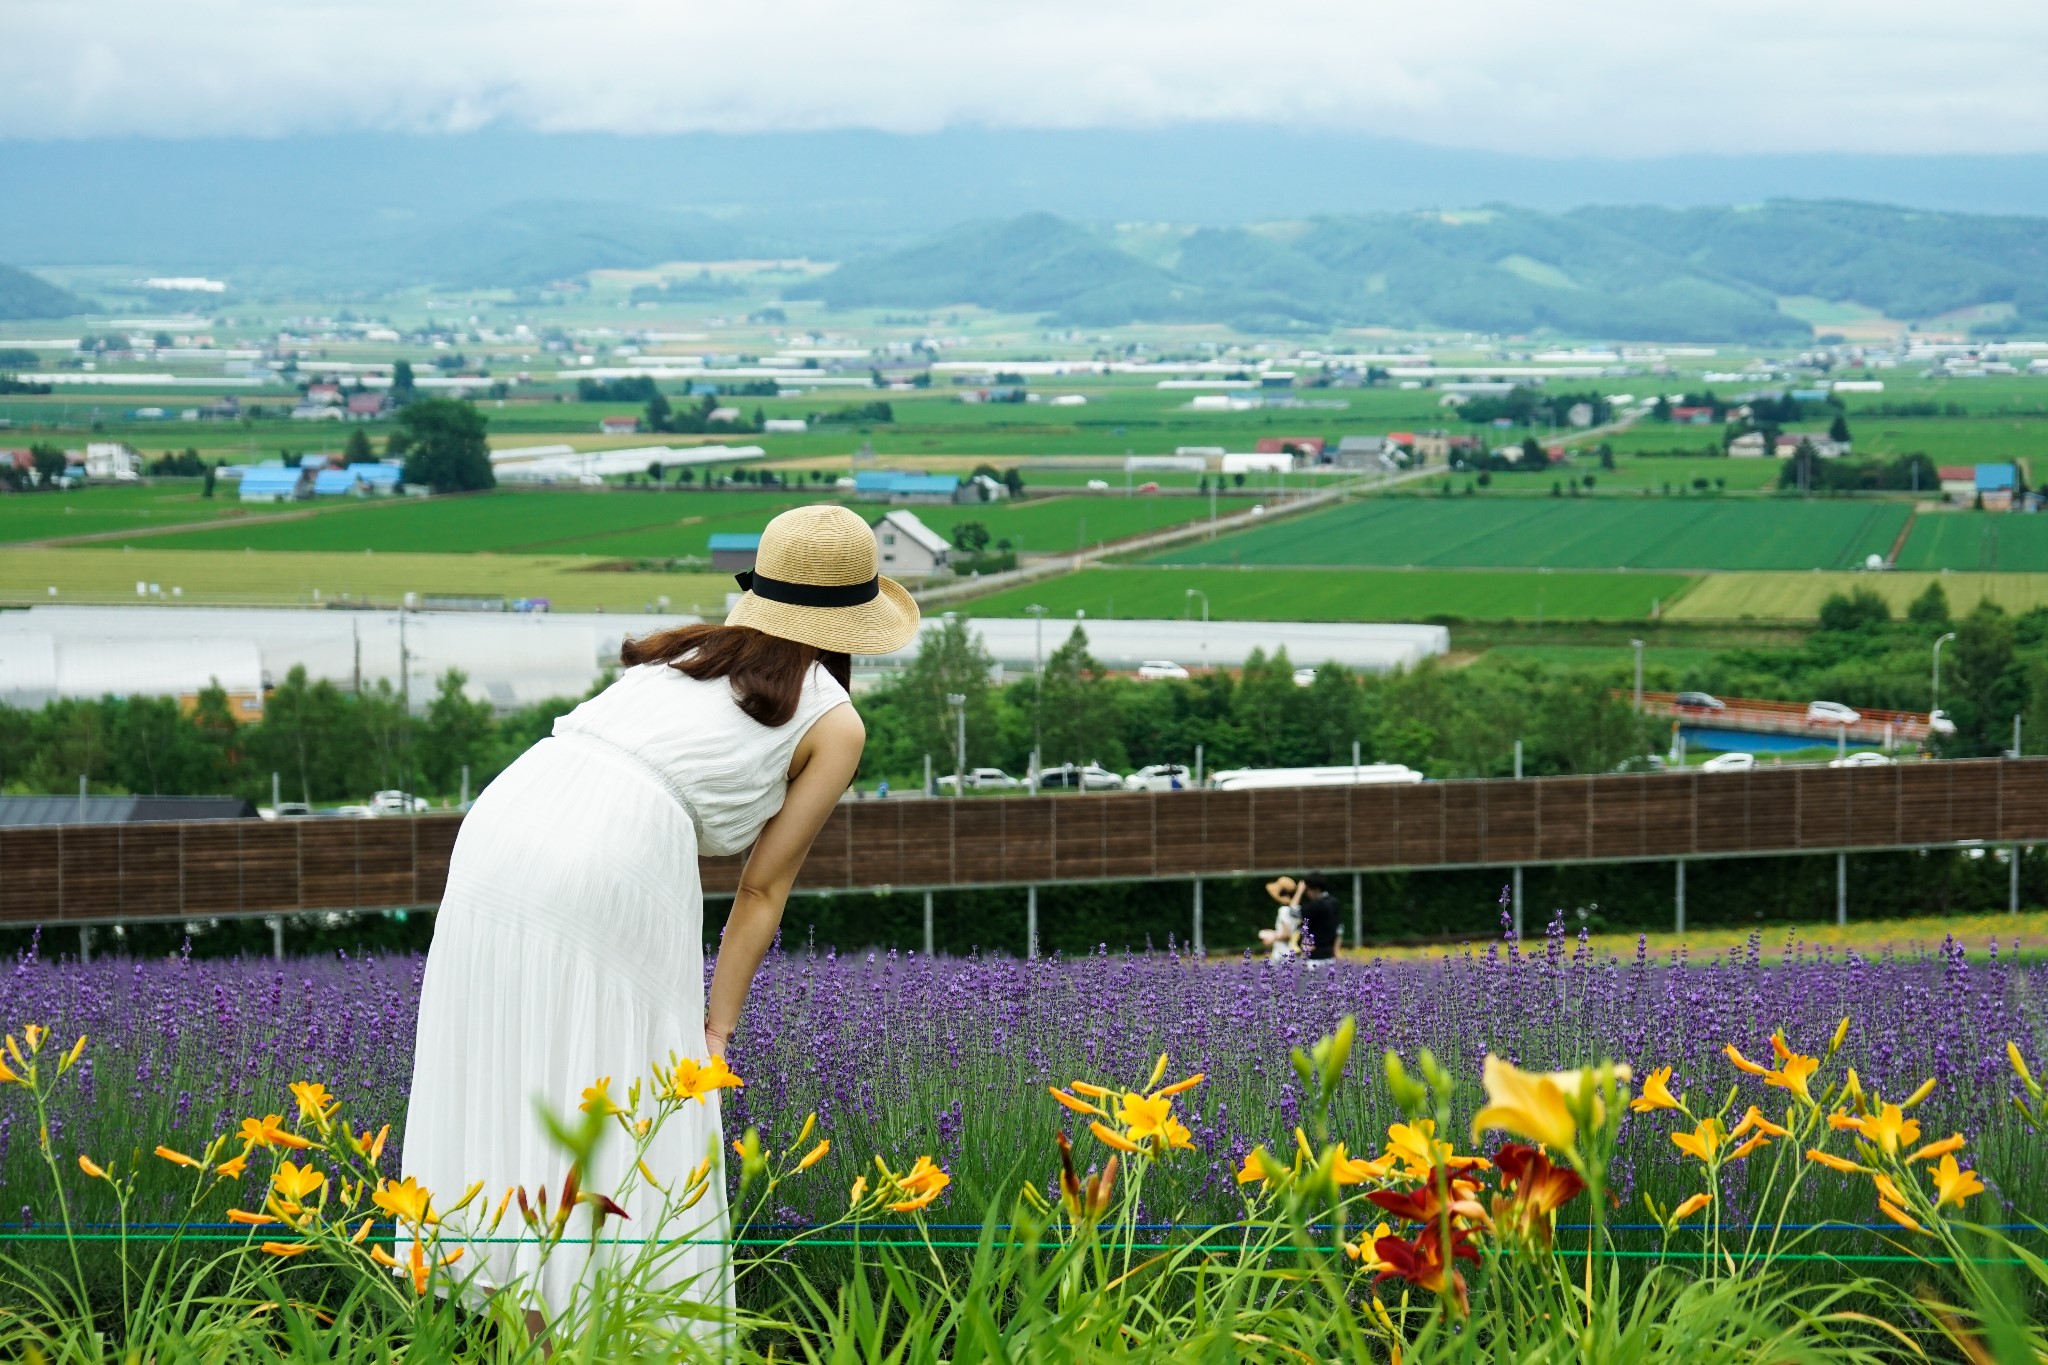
(283, 578)
(1985, 541)
(1645, 533)
(1798, 596)
(1341, 594)
(1631, 475)
(110, 508)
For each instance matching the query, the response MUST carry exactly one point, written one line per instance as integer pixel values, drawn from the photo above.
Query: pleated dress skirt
(569, 948)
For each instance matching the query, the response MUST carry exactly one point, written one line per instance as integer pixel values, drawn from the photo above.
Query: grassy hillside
(23, 295)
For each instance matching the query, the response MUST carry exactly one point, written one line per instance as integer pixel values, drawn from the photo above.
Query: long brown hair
(767, 671)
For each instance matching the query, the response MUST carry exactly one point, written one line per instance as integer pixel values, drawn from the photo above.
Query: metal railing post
(1358, 909)
(1841, 888)
(1198, 944)
(1678, 920)
(2013, 905)
(1031, 922)
(928, 950)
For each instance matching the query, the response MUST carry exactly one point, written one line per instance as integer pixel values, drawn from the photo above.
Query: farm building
(908, 547)
(1311, 446)
(889, 485)
(784, 425)
(1996, 484)
(618, 426)
(112, 460)
(732, 551)
(365, 407)
(272, 483)
(1360, 452)
(18, 811)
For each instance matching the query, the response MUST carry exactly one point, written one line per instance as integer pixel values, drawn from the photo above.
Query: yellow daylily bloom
(1690, 1207)
(1179, 1087)
(8, 1076)
(1953, 1184)
(1886, 1189)
(234, 1168)
(405, 1200)
(1755, 1119)
(286, 1248)
(815, 1155)
(180, 1159)
(1110, 1137)
(1538, 1105)
(1852, 1091)
(1913, 1100)
(1078, 1106)
(1833, 1162)
(1898, 1215)
(269, 1131)
(1158, 1072)
(1143, 1116)
(923, 1175)
(1253, 1170)
(1363, 1250)
(1795, 1070)
(34, 1035)
(313, 1100)
(71, 1058)
(1346, 1169)
(297, 1183)
(1841, 1035)
(1952, 1143)
(91, 1167)
(694, 1080)
(1760, 1140)
(1703, 1141)
(858, 1192)
(1889, 1129)
(1093, 1092)
(2019, 1064)
(1656, 1093)
(1742, 1063)
(597, 1099)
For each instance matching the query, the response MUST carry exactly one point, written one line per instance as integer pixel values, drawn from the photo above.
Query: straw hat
(814, 581)
(1281, 888)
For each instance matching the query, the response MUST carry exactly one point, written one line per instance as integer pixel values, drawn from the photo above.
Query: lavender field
(902, 1055)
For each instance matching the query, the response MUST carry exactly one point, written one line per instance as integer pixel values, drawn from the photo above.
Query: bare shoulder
(841, 725)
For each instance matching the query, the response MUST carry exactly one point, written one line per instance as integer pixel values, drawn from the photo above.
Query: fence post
(277, 937)
(85, 943)
(928, 951)
(1841, 888)
(1198, 918)
(1678, 921)
(1031, 922)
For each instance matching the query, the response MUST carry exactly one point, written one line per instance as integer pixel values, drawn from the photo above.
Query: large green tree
(457, 732)
(444, 446)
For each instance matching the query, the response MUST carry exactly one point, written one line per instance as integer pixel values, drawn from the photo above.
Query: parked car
(1831, 713)
(1148, 487)
(398, 803)
(982, 780)
(1304, 677)
(1072, 777)
(1098, 485)
(1729, 763)
(1869, 758)
(1938, 723)
(1155, 669)
(1159, 777)
(1641, 763)
(1698, 701)
(288, 810)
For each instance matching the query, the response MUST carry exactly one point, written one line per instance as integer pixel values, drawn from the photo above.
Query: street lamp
(1937, 667)
(958, 701)
(1037, 614)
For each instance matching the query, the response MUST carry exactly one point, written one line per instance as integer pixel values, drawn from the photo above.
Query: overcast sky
(1626, 77)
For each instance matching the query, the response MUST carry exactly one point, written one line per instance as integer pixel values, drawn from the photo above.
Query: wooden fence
(86, 874)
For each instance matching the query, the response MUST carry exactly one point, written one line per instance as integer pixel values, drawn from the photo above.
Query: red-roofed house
(618, 426)
(1312, 446)
(365, 407)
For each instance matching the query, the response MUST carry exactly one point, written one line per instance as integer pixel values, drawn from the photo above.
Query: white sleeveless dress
(569, 947)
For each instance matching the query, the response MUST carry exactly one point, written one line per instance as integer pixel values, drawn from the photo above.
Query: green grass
(1342, 595)
(1645, 533)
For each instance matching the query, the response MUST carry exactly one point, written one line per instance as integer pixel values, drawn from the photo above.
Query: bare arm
(823, 767)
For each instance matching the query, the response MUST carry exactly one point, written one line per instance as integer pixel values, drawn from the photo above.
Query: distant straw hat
(1280, 888)
(815, 581)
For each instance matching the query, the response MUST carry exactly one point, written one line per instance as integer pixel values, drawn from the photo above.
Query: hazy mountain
(404, 204)
(1705, 274)
(23, 295)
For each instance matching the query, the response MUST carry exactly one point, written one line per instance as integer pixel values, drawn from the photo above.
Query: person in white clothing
(569, 944)
(1284, 938)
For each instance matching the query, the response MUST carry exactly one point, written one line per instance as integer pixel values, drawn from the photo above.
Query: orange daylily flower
(1898, 1215)
(91, 1167)
(269, 1131)
(1078, 1106)
(406, 1200)
(1952, 1143)
(1755, 1119)
(234, 1168)
(815, 1155)
(694, 1080)
(1690, 1207)
(1110, 1137)
(1832, 1162)
(287, 1248)
(247, 1219)
(180, 1159)
(1703, 1141)
(1656, 1093)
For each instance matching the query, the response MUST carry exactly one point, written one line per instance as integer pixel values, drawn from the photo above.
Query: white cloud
(1625, 77)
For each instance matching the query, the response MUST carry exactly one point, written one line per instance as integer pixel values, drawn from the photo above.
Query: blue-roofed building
(333, 483)
(378, 478)
(1995, 478)
(272, 483)
(732, 551)
(888, 485)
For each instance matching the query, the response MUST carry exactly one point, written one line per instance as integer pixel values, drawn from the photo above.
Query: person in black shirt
(1320, 914)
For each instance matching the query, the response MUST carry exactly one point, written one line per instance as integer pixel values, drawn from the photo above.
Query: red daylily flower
(1423, 1262)
(1540, 1189)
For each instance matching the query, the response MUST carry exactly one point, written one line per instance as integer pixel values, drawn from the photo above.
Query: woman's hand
(714, 1043)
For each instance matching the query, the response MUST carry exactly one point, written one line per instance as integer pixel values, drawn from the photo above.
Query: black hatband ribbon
(808, 594)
